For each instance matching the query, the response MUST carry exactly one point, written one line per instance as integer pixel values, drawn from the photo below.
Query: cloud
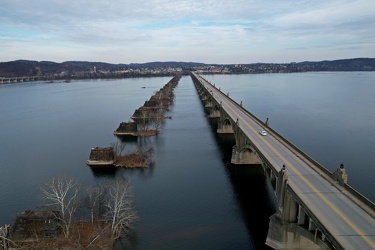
(230, 31)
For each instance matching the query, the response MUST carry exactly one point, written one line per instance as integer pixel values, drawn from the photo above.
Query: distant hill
(355, 64)
(33, 68)
(166, 64)
(46, 68)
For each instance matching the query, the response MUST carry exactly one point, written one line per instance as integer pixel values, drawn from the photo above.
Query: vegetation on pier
(134, 160)
(139, 159)
(72, 219)
(99, 217)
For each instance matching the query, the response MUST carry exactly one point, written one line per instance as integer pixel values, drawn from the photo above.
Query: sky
(207, 31)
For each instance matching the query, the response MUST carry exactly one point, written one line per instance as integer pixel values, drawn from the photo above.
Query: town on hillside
(45, 70)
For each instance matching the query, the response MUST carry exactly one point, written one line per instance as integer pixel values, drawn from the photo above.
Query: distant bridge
(4, 80)
(316, 209)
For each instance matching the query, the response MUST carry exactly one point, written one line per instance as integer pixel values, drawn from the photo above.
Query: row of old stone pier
(146, 122)
(147, 118)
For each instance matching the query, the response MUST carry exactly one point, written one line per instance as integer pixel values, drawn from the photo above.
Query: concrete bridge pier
(244, 156)
(281, 185)
(290, 227)
(273, 179)
(224, 125)
(271, 176)
(301, 217)
(202, 94)
(243, 152)
(215, 111)
(203, 97)
(208, 103)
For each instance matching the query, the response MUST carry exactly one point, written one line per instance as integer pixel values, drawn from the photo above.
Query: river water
(190, 198)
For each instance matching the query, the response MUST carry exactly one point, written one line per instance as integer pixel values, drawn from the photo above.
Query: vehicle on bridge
(263, 132)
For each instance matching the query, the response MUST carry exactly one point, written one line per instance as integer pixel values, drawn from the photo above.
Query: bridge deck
(349, 224)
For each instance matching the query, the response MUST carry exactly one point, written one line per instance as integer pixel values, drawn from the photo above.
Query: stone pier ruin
(101, 156)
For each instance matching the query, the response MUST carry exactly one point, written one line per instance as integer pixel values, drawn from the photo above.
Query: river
(190, 197)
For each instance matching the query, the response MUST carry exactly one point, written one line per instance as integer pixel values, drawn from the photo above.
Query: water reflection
(127, 138)
(103, 171)
(249, 185)
(142, 173)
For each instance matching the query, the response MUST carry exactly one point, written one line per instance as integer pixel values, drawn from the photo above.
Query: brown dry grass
(84, 235)
(147, 132)
(134, 160)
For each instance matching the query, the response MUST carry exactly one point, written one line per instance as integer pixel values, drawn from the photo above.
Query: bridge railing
(264, 159)
(328, 174)
(316, 221)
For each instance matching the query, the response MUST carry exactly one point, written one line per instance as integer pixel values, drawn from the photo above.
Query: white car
(262, 132)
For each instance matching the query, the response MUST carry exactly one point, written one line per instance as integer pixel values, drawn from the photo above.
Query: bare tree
(118, 148)
(159, 117)
(144, 120)
(62, 193)
(120, 207)
(4, 231)
(95, 201)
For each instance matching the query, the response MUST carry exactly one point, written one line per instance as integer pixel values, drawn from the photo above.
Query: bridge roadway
(349, 224)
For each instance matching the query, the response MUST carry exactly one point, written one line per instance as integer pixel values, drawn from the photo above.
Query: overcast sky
(210, 31)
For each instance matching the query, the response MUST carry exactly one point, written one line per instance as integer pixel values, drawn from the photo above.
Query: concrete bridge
(316, 209)
(17, 79)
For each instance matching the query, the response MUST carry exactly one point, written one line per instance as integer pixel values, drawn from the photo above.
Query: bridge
(18, 79)
(316, 209)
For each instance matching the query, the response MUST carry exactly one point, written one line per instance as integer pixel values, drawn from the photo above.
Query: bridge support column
(301, 216)
(312, 225)
(208, 103)
(286, 203)
(281, 185)
(244, 156)
(224, 125)
(203, 95)
(289, 209)
(323, 237)
(243, 152)
(215, 112)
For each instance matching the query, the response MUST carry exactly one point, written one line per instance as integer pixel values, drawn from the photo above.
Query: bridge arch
(208, 102)
(245, 155)
(225, 126)
(205, 96)
(215, 111)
